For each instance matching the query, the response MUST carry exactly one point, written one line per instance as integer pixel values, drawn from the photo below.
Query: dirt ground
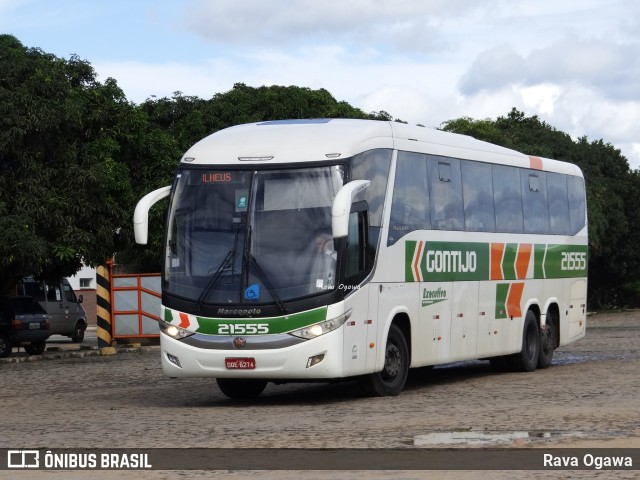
(589, 398)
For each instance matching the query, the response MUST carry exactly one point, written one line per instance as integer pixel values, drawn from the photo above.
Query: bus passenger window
(558, 203)
(577, 204)
(479, 214)
(535, 206)
(445, 189)
(410, 204)
(507, 199)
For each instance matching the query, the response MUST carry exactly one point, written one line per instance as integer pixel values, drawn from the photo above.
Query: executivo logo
(430, 297)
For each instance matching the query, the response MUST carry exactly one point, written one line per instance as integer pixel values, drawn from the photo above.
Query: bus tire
(548, 342)
(241, 389)
(527, 359)
(391, 379)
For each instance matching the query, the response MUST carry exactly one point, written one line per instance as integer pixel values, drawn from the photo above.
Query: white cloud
(540, 98)
(612, 68)
(406, 25)
(140, 81)
(493, 70)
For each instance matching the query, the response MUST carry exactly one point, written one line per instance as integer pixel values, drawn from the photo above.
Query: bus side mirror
(80, 298)
(141, 213)
(342, 206)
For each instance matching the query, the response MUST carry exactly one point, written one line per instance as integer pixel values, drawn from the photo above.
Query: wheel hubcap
(531, 342)
(392, 361)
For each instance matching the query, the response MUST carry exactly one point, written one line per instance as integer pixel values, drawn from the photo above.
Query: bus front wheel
(391, 379)
(241, 389)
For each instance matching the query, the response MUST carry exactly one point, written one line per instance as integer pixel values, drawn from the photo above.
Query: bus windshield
(242, 237)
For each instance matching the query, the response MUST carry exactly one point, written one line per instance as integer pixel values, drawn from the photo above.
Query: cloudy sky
(574, 63)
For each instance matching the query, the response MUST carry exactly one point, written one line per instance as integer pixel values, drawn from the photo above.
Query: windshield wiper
(226, 262)
(265, 280)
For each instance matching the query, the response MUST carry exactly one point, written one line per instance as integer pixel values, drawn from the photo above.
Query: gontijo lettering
(451, 261)
(446, 261)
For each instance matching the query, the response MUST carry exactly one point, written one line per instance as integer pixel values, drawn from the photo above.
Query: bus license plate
(245, 363)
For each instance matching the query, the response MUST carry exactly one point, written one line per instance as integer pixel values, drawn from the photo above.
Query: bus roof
(299, 141)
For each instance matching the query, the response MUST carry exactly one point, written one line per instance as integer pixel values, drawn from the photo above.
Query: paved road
(588, 398)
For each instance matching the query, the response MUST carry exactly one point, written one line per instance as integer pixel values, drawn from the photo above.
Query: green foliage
(189, 119)
(63, 189)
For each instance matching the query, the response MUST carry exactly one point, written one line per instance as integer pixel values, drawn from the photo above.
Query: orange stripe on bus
(497, 250)
(522, 260)
(513, 300)
(184, 320)
(535, 163)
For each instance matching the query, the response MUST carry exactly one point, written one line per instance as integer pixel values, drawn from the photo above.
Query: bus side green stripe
(502, 291)
(509, 261)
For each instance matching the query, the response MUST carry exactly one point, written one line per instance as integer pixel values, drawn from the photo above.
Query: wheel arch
(403, 322)
(400, 317)
(535, 308)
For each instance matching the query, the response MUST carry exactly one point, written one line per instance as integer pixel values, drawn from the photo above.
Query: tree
(64, 193)
(189, 119)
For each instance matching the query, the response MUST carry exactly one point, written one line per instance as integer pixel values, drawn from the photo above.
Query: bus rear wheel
(548, 342)
(391, 379)
(527, 359)
(241, 389)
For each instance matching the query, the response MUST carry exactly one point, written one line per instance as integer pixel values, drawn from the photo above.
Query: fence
(135, 305)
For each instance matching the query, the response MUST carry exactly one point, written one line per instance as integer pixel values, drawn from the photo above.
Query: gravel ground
(587, 399)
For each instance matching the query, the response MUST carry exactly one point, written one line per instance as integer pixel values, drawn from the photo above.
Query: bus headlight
(317, 329)
(173, 331)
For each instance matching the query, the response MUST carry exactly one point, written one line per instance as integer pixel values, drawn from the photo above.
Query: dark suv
(23, 322)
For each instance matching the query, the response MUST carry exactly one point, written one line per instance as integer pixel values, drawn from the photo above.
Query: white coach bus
(323, 249)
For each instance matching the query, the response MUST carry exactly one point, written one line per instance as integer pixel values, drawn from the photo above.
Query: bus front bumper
(318, 358)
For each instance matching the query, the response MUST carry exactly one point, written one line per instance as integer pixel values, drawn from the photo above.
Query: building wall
(84, 279)
(84, 283)
(89, 304)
